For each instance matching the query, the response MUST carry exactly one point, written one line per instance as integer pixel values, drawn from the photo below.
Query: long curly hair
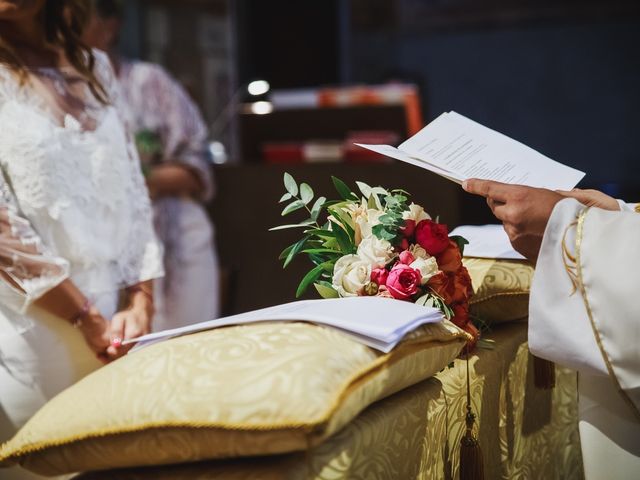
(63, 22)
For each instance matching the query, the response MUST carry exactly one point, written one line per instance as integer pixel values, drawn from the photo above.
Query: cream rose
(418, 252)
(350, 275)
(364, 219)
(375, 251)
(427, 267)
(415, 213)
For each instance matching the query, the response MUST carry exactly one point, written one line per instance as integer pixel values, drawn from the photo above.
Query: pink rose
(403, 281)
(379, 275)
(406, 257)
(432, 236)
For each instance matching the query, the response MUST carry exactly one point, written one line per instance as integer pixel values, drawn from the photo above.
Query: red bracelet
(77, 319)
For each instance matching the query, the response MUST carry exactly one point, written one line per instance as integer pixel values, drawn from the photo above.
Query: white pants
(38, 364)
(609, 431)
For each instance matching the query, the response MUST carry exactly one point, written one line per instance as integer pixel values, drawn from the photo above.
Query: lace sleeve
(27, 269)
(186, 132)
(143, 259)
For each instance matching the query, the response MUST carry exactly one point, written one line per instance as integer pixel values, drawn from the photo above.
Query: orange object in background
(390, 94)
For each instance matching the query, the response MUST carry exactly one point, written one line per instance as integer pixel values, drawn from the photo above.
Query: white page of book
(461, 148)
(383, 321)
(487, 241)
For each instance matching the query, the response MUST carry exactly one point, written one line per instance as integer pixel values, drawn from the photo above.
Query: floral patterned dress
(169, 129)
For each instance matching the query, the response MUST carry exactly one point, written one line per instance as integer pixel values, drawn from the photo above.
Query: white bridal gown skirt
(37, 364)
(609, 431)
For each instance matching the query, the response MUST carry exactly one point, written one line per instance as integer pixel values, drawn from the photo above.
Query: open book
(377, 322)
(458, 148)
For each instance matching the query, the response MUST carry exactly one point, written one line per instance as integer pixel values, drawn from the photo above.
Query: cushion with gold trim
(501, 289)
(259, 389)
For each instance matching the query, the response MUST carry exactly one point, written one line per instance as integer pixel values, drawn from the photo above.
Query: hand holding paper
(458, 148)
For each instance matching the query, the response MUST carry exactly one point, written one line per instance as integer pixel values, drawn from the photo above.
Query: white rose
(365, 221)
(427, 267)
(375, 251)
(350, 275)
(418, 252)
(415, 212)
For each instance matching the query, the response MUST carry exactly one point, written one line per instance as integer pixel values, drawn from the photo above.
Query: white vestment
(585, 314)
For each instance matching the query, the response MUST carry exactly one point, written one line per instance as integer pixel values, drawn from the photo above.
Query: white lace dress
(73, 204)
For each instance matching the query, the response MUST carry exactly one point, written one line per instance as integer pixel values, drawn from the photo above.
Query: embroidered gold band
(596, 332)
(637, 209)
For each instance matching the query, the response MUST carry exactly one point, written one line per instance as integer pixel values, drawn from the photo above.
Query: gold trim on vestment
(637, 208)
(596, 332)
(569, 260)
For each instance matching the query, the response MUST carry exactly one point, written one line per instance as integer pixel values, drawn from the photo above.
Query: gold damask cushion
(501, 289)
(257, 389)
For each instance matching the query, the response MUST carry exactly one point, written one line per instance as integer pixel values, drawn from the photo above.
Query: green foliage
(431, 299)
(326, 290)
(460, 241)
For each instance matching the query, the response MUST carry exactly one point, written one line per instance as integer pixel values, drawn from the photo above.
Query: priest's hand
(592, 198)
(524, 211)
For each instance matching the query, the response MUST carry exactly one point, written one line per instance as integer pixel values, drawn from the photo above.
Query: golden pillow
(258, 389)
(501, 289)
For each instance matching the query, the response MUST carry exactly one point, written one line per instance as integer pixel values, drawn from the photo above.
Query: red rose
(462, 289)
(403, 281)
(406, 257)
(442, 284)
(450, 259)
(432, 236)
(409, 228)
(460, 314)
(379, 275)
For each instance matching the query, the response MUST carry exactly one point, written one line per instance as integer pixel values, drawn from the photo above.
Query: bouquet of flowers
(377, 243)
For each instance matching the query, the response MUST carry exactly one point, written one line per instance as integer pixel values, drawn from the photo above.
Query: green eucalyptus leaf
(310, 278)
(365, 189)
(346, 243)
(325, 291)
(285, 252)
(290, 184)
(292, 207)
(285, 197)
(321, 250)
(460, 241)
(306, 193)
(304, 224)
(317, 208)
(297, 247)
(343, 190)
(379, 191)
(321, 232)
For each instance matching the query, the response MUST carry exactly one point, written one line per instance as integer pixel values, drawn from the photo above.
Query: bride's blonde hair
(63, 22)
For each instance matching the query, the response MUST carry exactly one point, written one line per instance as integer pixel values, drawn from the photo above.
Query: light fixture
(261, 108)
(258, 87)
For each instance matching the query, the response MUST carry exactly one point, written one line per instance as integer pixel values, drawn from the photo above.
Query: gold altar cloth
(525, 433)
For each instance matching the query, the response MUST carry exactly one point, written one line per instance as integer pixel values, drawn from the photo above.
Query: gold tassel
(471, 464)
(544, 373)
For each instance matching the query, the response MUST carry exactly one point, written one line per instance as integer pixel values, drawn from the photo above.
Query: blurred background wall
(561, 76)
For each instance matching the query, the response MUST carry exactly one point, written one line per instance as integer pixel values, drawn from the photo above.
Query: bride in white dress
(75, 217)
